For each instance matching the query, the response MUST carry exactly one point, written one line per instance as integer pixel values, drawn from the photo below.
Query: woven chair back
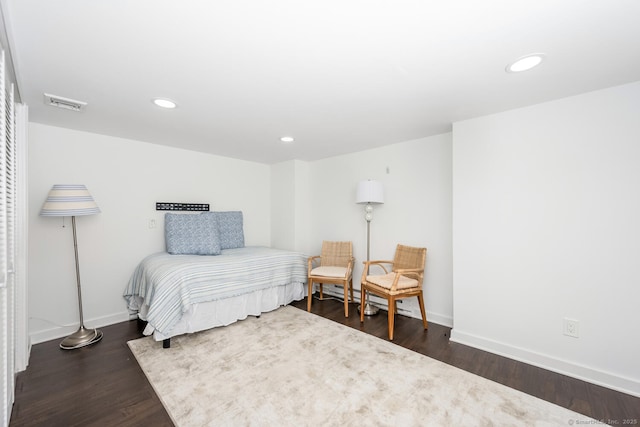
(409, 257)
(336, 254)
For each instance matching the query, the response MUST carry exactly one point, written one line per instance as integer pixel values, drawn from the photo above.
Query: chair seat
(386, 281)
(328, 271)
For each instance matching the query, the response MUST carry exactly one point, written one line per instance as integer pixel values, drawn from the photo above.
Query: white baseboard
(440, 319)
(61, 332)
(564, 367)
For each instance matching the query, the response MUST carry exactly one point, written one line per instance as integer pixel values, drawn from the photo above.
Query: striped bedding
(170, 284)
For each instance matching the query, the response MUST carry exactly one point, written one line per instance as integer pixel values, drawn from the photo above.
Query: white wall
(546, 226)
(291, 219)
(126, 178)
(304, 218)
(416, 176)
(283, 206)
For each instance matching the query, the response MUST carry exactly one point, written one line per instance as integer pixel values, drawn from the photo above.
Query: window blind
(7, 244)
(3, 176)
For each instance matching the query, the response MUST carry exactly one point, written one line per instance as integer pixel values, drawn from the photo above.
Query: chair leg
(321, 295)
(363, 297)
(309, 295)
(351, 288)
(346, 300)
(422, 312)
(392, 305)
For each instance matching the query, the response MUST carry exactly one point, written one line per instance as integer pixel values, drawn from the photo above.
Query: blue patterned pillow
(190, 234)
(230, 225)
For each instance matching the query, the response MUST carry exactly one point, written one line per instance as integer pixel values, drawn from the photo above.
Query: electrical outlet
(571, 327)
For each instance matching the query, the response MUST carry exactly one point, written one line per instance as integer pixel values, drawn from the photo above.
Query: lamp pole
(82, 336)
(369, 309)
(369, 192)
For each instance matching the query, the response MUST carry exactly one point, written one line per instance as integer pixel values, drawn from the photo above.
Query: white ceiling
(338, 75)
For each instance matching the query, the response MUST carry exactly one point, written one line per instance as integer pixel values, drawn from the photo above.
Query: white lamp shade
(69, 200)
(370, 192)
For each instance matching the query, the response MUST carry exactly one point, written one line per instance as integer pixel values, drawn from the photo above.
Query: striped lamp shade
(69, 200)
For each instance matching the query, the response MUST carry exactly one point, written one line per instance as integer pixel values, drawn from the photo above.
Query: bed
(178, 293)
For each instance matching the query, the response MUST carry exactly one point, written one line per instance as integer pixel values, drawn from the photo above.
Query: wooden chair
(402, 281)
(333, 266)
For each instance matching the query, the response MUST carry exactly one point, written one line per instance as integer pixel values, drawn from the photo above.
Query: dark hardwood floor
(100, 385)
(103, 385)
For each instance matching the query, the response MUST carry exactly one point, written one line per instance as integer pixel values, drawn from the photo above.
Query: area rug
(293, 368)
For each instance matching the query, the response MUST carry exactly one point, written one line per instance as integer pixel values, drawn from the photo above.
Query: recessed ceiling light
(525, 63)
(164, 103)
(286, 139)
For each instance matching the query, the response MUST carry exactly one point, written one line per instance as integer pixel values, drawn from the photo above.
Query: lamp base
(81, 338)
(369, 310)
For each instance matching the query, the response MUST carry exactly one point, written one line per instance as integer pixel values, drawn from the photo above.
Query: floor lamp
(369, 193)
(73, 200)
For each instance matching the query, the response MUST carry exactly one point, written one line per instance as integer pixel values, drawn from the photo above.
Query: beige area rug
(292, 368)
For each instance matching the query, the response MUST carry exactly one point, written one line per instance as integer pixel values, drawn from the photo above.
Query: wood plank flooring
(102, 385)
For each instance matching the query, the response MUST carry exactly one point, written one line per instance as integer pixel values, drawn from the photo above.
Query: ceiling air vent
(60, 102)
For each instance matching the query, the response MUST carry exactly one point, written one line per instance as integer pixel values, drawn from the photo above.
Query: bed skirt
(223, 312)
